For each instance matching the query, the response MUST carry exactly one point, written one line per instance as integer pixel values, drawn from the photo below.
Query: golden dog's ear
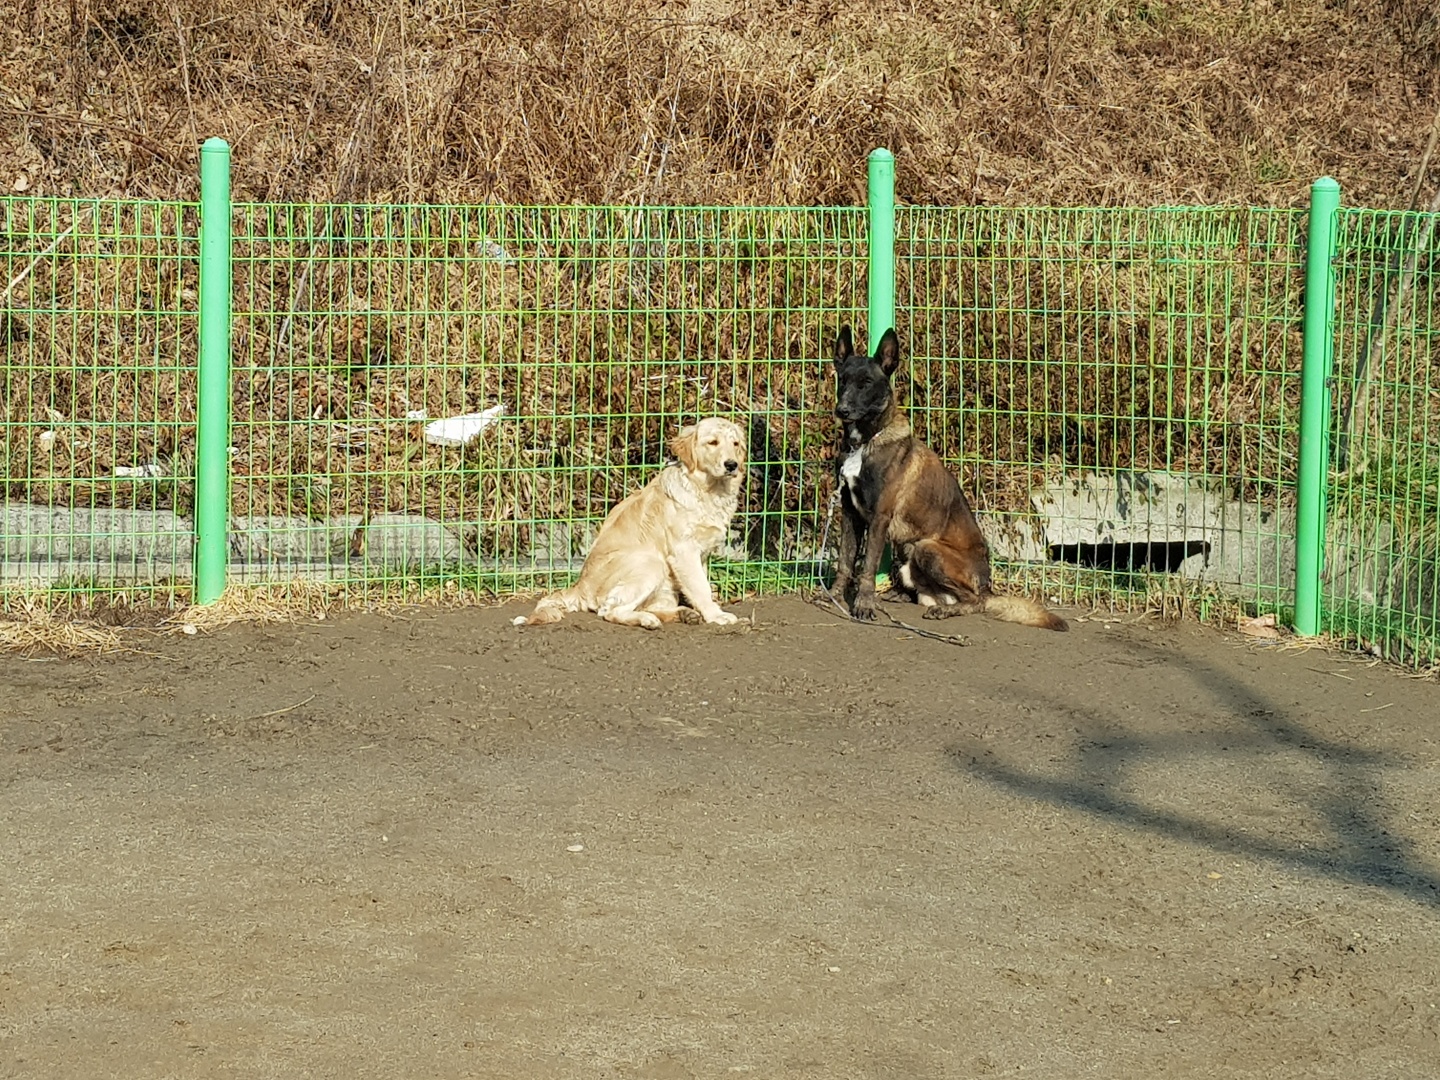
(683, 447)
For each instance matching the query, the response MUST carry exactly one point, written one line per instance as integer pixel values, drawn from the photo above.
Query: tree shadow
(1367, 848)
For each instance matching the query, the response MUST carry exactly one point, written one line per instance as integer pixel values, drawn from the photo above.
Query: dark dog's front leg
(864, 605)
(852, 528)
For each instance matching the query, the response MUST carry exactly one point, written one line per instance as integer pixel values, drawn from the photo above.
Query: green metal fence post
(880, 309)
(212, 457)
(1319, 354)
(880, 190)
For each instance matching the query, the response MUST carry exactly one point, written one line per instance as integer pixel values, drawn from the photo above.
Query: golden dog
(652, 547)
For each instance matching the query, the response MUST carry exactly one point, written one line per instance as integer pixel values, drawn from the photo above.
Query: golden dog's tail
(1018, 609)
(551, 608)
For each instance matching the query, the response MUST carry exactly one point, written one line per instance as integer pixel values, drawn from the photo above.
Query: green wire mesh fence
(1382, 579)
(97, 379)
(462, 393)
(426, 395)
(1118, 388)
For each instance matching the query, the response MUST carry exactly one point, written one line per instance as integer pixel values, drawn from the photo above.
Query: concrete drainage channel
(1197, 529)
(1156, 522)
(1128, 522)
(41, 546)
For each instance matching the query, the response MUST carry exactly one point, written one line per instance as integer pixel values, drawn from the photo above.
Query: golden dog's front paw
(722, 618)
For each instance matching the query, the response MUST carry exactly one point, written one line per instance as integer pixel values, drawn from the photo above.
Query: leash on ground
(839, 609)
(949, 639)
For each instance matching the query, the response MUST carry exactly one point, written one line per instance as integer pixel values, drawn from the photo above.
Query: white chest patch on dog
(850, 470)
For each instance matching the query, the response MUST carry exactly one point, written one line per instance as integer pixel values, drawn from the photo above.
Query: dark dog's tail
(552, 608)
(1018, 609)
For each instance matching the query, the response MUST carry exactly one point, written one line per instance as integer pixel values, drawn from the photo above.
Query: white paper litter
(47, 440)
(142, 472)
(417, 416)
(460, 430)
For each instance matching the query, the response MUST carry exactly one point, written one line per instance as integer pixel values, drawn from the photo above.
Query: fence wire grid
(1117, 389)
(97, 324)
(1382, 579)
(575, 341)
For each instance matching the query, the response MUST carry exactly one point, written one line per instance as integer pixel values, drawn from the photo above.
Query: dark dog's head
(863, 395)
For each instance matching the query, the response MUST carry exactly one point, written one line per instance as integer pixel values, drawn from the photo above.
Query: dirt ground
(353, 848)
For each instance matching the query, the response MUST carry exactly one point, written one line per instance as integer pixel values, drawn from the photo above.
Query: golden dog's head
(714, 448)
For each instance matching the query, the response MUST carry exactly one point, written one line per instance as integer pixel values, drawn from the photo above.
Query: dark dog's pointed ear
(683, 446)
(844, 346)
(889, 352)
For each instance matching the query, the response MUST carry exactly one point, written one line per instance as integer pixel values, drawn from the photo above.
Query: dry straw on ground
(292, 601)
(42, 624)
(37, 628)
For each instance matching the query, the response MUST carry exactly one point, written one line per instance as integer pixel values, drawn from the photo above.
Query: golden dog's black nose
(731, 465)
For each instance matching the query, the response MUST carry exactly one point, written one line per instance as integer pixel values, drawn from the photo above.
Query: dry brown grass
(721, 101)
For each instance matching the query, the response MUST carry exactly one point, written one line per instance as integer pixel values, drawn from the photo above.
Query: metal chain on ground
(949, 639)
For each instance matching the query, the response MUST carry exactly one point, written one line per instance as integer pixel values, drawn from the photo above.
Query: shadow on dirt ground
(1334, 786)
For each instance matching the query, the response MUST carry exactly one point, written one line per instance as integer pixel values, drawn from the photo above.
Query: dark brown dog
(894, 487)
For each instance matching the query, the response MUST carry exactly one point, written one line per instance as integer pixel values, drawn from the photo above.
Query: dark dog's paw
(691, 617)
(863, 609)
